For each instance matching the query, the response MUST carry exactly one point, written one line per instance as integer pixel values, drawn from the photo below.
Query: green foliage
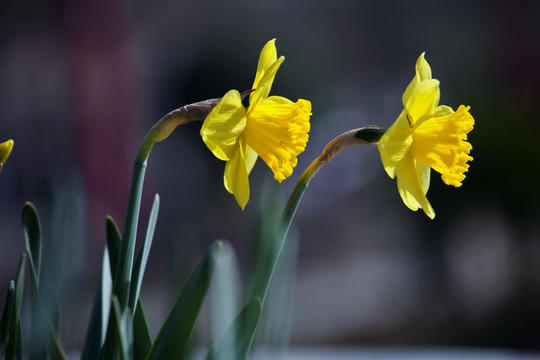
(97, 328)
(6, 316)
(172, 340)
(237, 342)
(142, 339)
(118, 328)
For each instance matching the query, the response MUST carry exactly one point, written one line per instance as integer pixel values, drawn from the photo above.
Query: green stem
(122, 278)
(370, 136)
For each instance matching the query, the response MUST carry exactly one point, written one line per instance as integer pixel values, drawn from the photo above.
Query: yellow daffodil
(274, 128)
(5, 150)
(424, 136)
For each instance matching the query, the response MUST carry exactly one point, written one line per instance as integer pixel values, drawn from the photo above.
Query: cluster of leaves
(118, 327)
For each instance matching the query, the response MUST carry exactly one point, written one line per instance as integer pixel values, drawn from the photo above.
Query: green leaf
(113, 242)
(122, 326)
(172, 340)
(141, 333)
(142, 255)
(54, 349)
(5, 324)
(142, 339)
(44, 341)
(97, 327)
(237, 341)
(32, 237)
(14, 343)
(122, 275)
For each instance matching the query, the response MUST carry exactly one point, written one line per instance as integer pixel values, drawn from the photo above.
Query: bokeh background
(81, 81)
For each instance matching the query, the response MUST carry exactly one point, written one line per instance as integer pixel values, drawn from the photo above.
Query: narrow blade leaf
(7, 316)
(237, 341)
(142, 255)
(172, 340)
(14, 343)
(32, 237)
(100, 313)
(113, 242)
(142, 339)
(121, 322)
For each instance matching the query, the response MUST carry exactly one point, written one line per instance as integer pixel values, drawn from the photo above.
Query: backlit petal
(223, 126)
(5, 150)
(410, 187)
(267, 57)
(264, 84)
(422, 100)
(422, 72)
(236, 177)
(251, 157)
(395, 144)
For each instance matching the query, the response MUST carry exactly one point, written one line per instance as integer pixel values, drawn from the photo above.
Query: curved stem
(369, 136)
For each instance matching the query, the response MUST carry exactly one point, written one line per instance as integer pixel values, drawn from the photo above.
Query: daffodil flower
(272, 127)
(5, 151)
(424, 136)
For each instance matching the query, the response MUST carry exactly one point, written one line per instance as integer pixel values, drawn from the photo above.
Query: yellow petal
(422, 72)
(267, 57)
(395, 144)
(251, 157)
(277, 130)
(424, 175)
(277, 100)
(236, 177)
(423, 100)
(5, 150)
(223, 126)
(265, 84)
(411, 188)
(440, 142)
(442, 110)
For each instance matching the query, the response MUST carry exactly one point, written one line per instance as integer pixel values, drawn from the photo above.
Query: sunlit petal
(265, 84)
(5, 150)
(267, 57)
(223, 126)
(395, 144)
(410, 187)
(236, 177)
(422, 72)
(422, 100)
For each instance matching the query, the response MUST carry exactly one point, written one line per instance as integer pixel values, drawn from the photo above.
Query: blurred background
(81, 82)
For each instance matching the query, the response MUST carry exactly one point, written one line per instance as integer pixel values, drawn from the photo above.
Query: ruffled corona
(278, 132)
(274, 128)
(426, 136)
(440, 142)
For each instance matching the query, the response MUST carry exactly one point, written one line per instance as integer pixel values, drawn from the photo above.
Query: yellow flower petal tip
(5, 150)
(272, 127)
(426, 136)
